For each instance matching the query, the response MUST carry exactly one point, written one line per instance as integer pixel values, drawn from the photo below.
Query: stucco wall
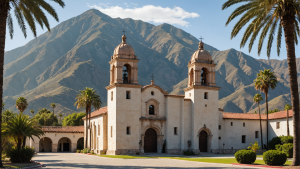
(273, 131)
(187, 124)
(111, 119)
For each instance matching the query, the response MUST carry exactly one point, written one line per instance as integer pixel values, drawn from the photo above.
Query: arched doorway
(150, 141)
(64, 145)
(203, 141)
(45, 145)
(80, 143)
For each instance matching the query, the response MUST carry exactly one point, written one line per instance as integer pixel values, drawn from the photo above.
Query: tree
(53, 106)
(21, 104)
(60, 115)
(29, 10)
(87, 99)
(254, 146)
(265, 16)
(43, 110)
(287, 107)
(264, 81)
(7, 115)
(19, 127)
(74, 119)
(257, 98)
(273, 111)
(46, 119)
(32, 112)
(3, 104)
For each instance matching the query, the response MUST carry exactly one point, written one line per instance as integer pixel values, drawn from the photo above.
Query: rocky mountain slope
(75, 55)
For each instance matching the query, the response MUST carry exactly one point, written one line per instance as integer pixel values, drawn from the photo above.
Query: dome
(124, 50)
(201, 55)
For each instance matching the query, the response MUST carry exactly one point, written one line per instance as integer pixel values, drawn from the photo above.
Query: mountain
(75, 55)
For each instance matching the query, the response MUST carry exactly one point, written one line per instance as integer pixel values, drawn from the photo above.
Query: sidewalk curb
(257, 165)
(37, 166)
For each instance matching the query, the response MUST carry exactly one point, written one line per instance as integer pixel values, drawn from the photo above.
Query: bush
(280, 140)
(245, 156)
(24, 155)
(188, 152)
(287, 149)
(78, 151)
(81, 151)
(86, 150)
(287, 139)
(92, 152)
(274, 157)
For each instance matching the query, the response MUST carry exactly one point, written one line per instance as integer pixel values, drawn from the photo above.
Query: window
(111, 128)
(277, 125)
(243, 138)
(256, 134)
(231, 124)
(244, 124)
(190, 94)
(127, 94)
(219, 138)
(151, 110)
(152, 93)
(112, 96)
(205, 105)
(219, 127)
(206, 95)
(98, 130)
(128, 130)
(175, 130)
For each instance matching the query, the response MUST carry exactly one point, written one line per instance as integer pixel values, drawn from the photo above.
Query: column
(119, 74)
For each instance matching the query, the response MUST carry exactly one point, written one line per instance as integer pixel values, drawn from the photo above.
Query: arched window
(151, 110)
(126, 74)
(204, 72)
(191, 77)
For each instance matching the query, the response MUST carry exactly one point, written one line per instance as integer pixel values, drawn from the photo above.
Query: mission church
(144, 119)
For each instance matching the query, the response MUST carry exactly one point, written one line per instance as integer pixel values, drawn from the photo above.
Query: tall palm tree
(87, 99)
(21, 104)
(19, 127)
(24, 10)
(267, 16)
(287, 107)
(53, 106)
(60, 115)
(257, 98)
(264, 81)
(32, 112)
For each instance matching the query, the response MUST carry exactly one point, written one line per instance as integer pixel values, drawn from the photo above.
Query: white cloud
(149, 13)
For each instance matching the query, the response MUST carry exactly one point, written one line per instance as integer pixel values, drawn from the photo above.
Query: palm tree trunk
(19, 142)
(267, 109)
(287, 123)
(261, 138)
(24, 142)
(287, 22)
(4, 7)
(86, 127)
(90, 128)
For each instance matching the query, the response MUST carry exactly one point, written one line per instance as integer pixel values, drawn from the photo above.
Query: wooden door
(203, 141)
(150, 141)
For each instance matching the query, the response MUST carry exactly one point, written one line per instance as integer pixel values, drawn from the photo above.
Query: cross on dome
(201, 38)
(124, 31)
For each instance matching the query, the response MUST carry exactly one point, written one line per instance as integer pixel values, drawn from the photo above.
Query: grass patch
(126, 156)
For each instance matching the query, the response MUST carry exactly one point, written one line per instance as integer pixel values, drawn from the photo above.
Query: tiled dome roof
(124, 50)
(201, 55)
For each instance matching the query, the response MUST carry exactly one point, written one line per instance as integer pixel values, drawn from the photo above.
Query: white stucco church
(143, 119)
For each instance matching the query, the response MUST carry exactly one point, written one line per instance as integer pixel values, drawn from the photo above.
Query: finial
(201, 44)
(123, 37)
(123, 31)
(152, 81)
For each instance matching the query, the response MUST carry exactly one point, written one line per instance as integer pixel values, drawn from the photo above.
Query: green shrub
(288, 149)
(245, 156)
(92, 152)
(280, 140)
(278, 147)
(287, 139)
(78, 151)
(24, 155)
(81, 151)
(274, 157)
(188, 152)
(86, 150)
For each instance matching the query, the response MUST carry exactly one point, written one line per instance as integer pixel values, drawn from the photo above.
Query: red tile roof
(248, 116)
(98, 112)
(59, 129)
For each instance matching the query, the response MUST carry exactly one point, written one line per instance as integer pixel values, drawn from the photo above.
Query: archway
(64, 145)
(45, 145)
(203, 141)
(204, 77)
(80, 143)
(112, 74)
(150, 141)
(191, 77)
(126, 74)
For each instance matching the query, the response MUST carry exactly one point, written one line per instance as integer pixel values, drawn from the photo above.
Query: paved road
(76, 161)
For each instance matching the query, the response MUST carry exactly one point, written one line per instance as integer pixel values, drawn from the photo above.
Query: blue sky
(197, 17)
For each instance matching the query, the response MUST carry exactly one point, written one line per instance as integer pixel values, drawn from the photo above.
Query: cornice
(123, 85)
(123, 60)
(202, 64)
(155, 86)
(201, 87)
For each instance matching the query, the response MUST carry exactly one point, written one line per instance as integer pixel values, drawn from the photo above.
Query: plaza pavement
(80, 161)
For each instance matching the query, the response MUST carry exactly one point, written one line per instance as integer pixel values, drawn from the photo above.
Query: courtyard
(76, 161)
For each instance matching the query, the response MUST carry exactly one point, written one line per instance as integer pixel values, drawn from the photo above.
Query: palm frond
(279, 36)
(10, 25)
(271, 37)
(20, 19)
(232, 2)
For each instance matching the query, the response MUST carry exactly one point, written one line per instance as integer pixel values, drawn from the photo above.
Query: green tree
(32, 112)
(24, 10)
(60, 115)
(273, 111)
(74, 119)
(7, 115)
(43, 110)
(257, 98)
(19, 127)
(264, 81)
(46, 119)
(265, 17)
(287, 107)
(53, 106)
(254, 146)
(21, 104)
(87, 99)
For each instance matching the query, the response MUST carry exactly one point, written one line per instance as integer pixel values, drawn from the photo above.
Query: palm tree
(87, 99)
(32, 112)
(267, 16)
(287, 107)
(257, 98)
(7, 115)
(19, 127)
(264, 81)
(60, 115)
(3, 104)
(21, 104)
(53, 106)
